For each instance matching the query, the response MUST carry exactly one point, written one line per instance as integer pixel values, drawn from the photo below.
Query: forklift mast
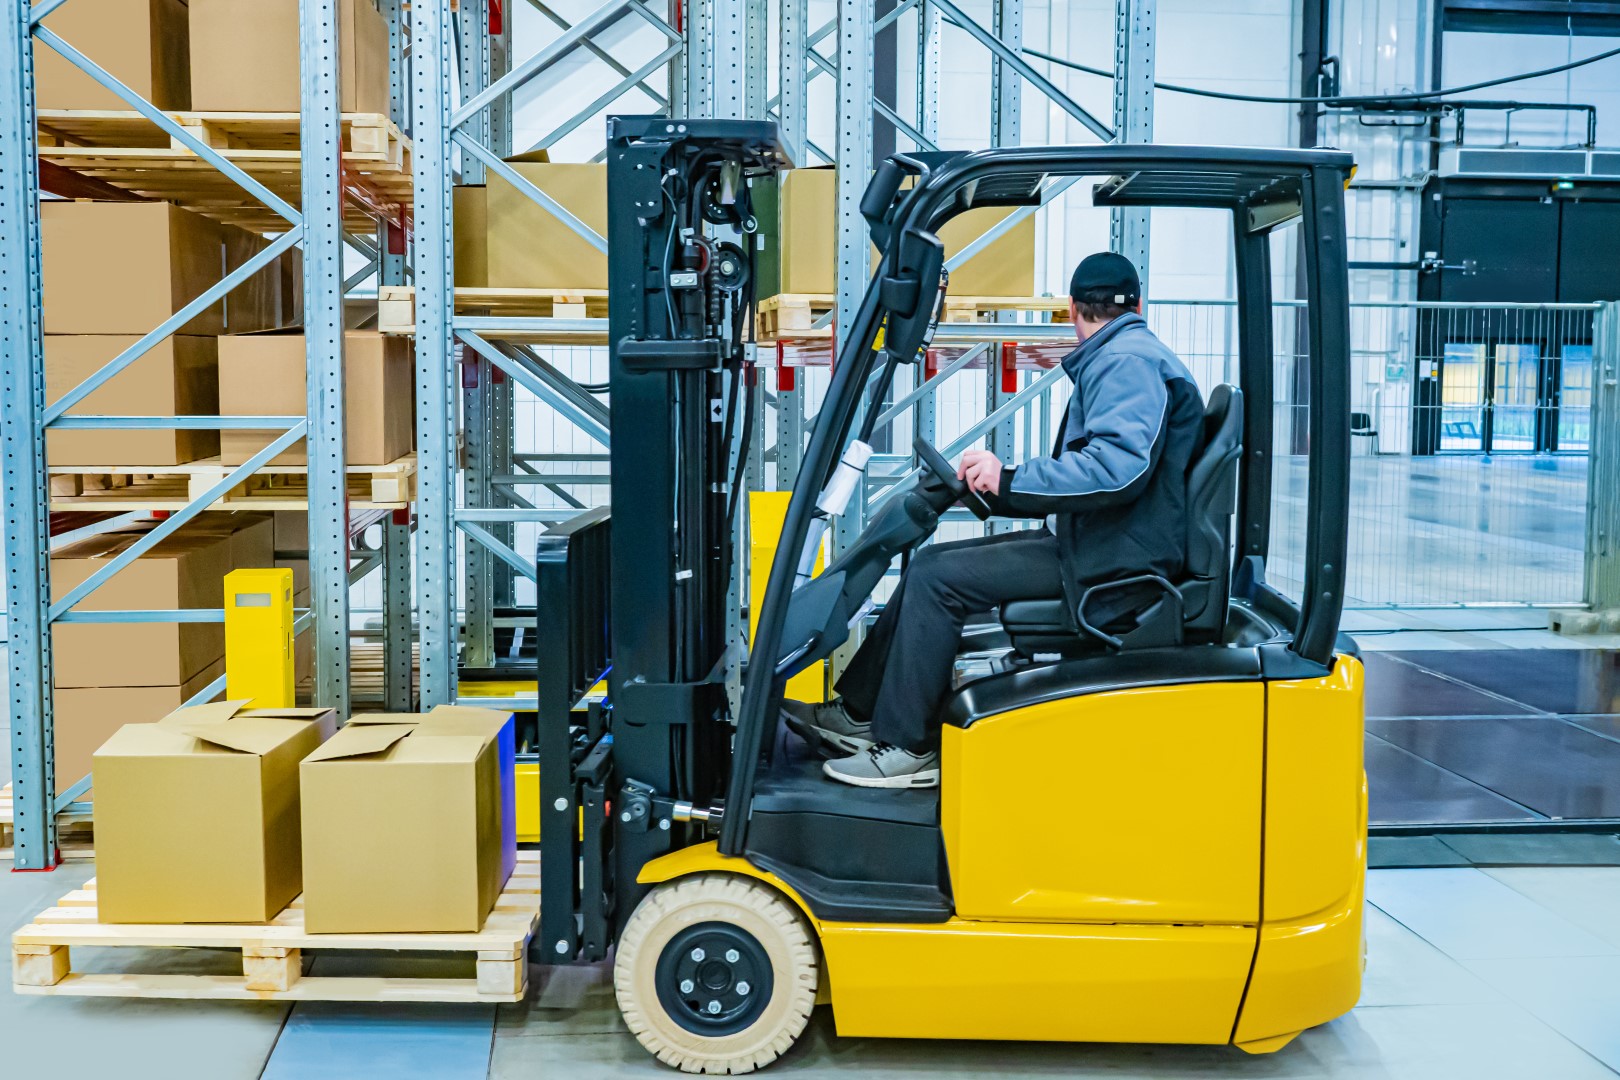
(618, 790)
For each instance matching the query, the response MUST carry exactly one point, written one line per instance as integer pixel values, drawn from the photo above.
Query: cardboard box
(438, 786)
(186, 570)
(808, 246)
(470, 234)
(144, 44)
(263, 375)
(86, 716)
(244, 56)
(528, 247)
(178, 376)
(124, 267)
(197, 816)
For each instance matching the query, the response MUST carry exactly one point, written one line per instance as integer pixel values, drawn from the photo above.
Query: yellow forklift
(1151, 822)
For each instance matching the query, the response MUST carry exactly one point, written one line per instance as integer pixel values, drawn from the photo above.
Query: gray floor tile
(1493, 1041)
(1577, 996)
(564, 1001)
(1588, 897)
(1468, 914)
(1403, 969)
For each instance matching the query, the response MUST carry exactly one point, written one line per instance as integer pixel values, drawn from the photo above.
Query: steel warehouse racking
(452, 79)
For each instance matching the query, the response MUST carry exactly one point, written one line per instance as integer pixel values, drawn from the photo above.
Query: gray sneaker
(886, 766)
(827, 727)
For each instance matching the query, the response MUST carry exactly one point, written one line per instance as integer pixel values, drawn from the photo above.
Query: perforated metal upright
(1135, 26)
(398, 654)
(321, 140)
(22, 464)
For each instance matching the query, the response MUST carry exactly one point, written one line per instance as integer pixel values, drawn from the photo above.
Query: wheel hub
(714, 979)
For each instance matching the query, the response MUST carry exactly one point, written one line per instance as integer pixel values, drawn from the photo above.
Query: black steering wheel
(934, 462)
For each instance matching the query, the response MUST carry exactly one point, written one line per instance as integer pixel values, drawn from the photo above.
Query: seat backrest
(1211, 502)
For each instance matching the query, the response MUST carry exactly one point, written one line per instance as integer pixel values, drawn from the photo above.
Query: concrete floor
(1510, 973)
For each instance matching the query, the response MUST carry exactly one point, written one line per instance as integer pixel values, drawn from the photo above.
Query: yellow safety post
(259, 637)
(767, 510)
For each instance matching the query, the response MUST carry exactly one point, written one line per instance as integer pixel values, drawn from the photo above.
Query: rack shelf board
(396, 305)
(792, 316)
(273, 487)
(272, 954)
(129, 152)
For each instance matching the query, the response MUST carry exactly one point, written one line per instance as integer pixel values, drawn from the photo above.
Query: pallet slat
(72, 837)
(396, 305)
(274, 487)
(127, 151)
(792, 316)
(273, 954)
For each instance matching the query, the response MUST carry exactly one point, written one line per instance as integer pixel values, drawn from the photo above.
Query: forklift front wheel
(716, 974)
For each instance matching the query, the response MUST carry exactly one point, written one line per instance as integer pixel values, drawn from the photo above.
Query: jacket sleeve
(1126, 405)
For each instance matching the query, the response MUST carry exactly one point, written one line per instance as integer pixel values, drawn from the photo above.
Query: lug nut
(687, 986)
(714, 1008)
(743, 988)
(732, 956)
(698, 955)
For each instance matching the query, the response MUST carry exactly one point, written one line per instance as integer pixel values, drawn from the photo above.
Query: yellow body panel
(1085, 983)
(527, 793)
(1136, 806)
(1308, 968)
(259, 637)
(1116, 837)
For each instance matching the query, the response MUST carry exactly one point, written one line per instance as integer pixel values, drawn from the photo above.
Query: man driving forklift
(1113, 493)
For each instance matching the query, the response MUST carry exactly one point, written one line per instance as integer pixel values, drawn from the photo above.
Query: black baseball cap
(1106, 277)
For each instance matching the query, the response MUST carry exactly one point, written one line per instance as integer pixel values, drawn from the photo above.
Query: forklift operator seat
(1204, 590)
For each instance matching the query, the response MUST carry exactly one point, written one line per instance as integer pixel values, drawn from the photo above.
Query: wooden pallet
(792, 316)
(273, 487)
(127, 151)
(273, 954)
(396, 305)
(73, 839)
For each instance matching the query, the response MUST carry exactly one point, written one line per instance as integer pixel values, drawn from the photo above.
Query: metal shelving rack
(453, 76)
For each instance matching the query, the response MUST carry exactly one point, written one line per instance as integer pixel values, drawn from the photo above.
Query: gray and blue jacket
(1117, 478)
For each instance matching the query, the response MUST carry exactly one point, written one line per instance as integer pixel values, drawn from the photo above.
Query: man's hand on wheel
(982, 471)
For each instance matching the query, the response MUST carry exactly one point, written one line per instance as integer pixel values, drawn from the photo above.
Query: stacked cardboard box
(218, 813)
(263, 375)
(144, 44)
(803, 258)
(113, 272)
(197, 815)
(244, 56)
(528, 247)
(111, 674)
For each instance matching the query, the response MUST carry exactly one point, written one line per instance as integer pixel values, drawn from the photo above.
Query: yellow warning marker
(259, 637)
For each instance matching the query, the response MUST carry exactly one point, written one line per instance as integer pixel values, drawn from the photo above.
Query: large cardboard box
(141, 43)
(186, 570)
(85, 717)
(528, 247)
(124, 267)
(263, 375)
(438, 786)
(244, 56)
(806, 255)
(470, 212)
(197, 815)
(178, 376)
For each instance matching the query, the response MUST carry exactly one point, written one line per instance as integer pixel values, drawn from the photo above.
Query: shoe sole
(827, 743)
(927, 778)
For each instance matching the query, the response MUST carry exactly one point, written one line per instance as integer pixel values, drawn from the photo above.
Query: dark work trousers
(900, 675)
